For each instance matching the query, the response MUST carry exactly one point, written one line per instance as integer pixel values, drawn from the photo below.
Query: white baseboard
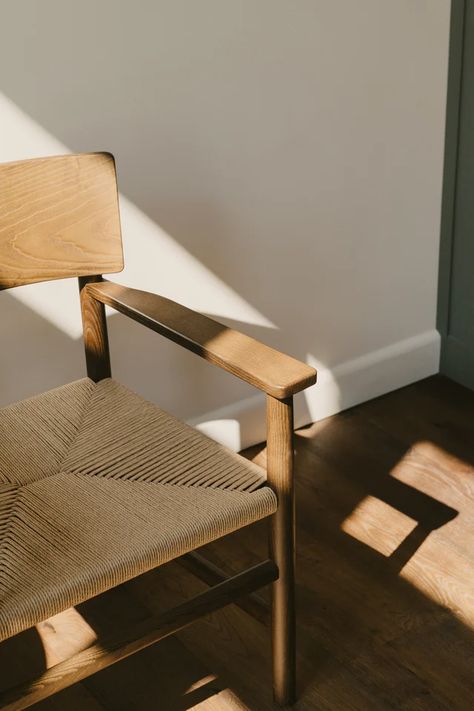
(242, 424)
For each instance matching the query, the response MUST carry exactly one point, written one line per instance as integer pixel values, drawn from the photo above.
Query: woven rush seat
(98, 486)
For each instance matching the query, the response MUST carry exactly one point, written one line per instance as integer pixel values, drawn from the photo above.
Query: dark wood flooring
(385, 581)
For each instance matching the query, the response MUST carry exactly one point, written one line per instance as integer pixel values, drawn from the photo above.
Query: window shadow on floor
(385, 617)
(383, 523)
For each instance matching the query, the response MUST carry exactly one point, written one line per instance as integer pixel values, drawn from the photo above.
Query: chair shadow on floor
(383, 563)
(368, 638)
(381, 490)
(164, 671)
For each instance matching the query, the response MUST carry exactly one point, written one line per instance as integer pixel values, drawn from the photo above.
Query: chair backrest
(59, 218)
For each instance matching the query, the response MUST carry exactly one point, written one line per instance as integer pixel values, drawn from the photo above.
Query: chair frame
(280, 377)
(95, 294)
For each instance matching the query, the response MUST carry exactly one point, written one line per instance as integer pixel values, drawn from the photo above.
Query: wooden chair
(97, 485)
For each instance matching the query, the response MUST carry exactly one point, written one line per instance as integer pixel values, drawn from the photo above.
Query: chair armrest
(275, 373)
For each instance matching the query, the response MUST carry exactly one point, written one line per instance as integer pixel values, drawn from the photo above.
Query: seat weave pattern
(98, 486)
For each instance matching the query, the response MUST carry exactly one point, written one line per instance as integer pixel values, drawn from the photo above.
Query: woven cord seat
(98, 486)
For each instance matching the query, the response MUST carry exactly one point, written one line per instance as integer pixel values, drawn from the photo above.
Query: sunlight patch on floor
(430, 553)
(224, 700)
(426, 464)
(64, 635)
(368, 524)
(200, 683)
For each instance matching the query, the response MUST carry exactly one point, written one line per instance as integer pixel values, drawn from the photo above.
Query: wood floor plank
(164, 676)
(76, 698)
(385, 581)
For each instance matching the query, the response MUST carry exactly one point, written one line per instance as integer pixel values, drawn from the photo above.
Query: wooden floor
(385, 581)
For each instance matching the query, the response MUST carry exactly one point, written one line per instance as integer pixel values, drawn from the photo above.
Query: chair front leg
(282, 547)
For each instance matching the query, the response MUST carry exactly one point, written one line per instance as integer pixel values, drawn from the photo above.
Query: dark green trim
(456, 53)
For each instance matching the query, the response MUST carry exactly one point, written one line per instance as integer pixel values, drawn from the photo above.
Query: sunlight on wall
(151, 257)
(299, 177)
(316, 405)
(238, 425)
(150, 253)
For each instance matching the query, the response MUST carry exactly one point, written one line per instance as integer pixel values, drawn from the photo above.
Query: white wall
(281, 164)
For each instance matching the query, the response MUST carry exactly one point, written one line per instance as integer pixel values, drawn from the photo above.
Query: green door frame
(456, 356)
(453, 106)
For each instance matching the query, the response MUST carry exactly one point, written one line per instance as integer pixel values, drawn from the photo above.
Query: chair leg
(283, 627)
(282, 547)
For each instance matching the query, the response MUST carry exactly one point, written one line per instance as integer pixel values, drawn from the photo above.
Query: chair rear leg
(282, 547)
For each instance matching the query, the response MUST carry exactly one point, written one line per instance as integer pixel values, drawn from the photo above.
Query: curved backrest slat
(59, 218)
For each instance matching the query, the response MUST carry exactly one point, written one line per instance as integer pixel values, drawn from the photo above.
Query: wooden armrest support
(275, 373)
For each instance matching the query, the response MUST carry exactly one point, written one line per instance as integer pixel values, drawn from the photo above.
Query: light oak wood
(94, 329)
(371, 637)
(128, 641)
(273, 372)
(282, 547)
(58, 218)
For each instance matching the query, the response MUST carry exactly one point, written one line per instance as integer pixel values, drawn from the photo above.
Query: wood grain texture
(273, 372)
(282, 547)
(127, 641)
(94, 329)
(58, 218)
(371, 636)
